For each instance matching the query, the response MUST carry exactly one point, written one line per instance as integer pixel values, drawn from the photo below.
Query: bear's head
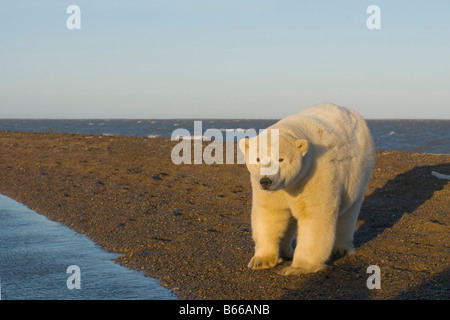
(274, 161)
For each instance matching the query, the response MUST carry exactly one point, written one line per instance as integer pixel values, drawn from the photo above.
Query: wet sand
(189, 225)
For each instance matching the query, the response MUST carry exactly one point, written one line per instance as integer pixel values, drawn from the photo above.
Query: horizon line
(196, 119)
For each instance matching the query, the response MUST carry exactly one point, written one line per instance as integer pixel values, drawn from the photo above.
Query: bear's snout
(265, 183)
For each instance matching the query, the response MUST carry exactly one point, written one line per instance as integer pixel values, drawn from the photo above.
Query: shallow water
(36, 252)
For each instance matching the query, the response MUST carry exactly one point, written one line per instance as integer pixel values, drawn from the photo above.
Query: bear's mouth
(270, 190)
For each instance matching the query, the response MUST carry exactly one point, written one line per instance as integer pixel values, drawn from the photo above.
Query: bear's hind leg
(345, 229)
(286, 244)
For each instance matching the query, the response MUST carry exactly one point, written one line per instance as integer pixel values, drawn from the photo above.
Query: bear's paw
(294, 271)
(263, 262)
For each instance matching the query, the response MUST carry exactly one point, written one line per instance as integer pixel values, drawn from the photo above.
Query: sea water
(425, 136)
(36, 253)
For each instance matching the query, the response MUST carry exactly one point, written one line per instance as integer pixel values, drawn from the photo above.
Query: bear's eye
(257, 160)
(281, 160)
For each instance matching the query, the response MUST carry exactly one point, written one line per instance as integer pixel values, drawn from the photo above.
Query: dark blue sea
(35, 252)
(425, 136)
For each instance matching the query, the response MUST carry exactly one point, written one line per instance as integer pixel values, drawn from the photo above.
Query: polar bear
(325, 160)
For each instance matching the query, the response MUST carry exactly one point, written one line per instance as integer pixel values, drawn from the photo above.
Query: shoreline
(45, 251)
(189, 225)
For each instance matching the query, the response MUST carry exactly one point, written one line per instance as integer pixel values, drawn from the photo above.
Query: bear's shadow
(400, 195)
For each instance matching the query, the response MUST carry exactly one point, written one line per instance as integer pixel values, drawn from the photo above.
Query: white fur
(328, 156)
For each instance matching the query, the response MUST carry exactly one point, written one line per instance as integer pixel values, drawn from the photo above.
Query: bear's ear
(243, 144)
(303, 145)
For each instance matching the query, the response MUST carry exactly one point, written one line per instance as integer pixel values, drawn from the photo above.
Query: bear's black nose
(265, 183)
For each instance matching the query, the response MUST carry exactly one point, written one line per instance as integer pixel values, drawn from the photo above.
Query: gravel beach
(189, 225)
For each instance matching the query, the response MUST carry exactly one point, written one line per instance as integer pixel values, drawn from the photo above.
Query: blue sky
(223, 59)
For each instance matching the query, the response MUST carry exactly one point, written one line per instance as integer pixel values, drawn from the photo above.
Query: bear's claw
(265, 262)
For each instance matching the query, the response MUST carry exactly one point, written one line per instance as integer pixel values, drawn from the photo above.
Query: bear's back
(328, 125)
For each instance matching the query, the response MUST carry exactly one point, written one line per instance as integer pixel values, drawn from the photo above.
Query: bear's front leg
(315, 239)
(268, 227)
